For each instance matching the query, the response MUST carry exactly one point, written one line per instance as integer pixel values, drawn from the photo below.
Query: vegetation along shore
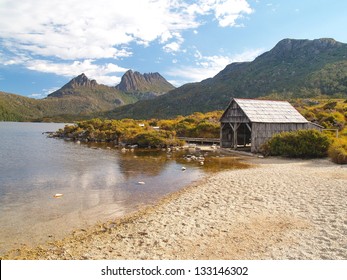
(160, 133)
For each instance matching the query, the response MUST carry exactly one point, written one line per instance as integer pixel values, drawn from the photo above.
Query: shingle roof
(269, 111)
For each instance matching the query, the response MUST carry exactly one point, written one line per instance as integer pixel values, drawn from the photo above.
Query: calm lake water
(97, 183)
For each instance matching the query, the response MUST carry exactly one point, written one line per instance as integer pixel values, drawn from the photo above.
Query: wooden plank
(200, 140)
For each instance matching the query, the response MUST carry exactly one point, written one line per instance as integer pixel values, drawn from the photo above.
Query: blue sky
(43, 44)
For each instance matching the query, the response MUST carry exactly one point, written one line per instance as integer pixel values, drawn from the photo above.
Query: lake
(98, 182)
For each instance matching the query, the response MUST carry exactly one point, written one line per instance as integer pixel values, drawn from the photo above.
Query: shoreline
(278, 209)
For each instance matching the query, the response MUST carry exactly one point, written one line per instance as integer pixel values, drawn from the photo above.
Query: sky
(44, 44)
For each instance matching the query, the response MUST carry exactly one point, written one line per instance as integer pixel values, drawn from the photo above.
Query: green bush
(338, 151)
(297, 144)
(156, 139)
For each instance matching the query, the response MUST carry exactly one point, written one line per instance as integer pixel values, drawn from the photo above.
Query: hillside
(18, 108)
(84, 96)
(293, 68)
(81, 97)
(144, 86)
(78, 98)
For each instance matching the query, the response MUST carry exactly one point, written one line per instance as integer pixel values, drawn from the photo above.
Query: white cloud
(209, 66)
(225, 11)
(89, 30)
(92, 30)
(44, 93)
(172, 47)
(50, 90)
(37, 95)
(103, 74)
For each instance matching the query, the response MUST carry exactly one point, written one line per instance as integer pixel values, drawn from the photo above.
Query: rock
(150, 83)
(79, 81)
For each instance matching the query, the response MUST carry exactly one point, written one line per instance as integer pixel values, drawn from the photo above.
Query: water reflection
(98, 182)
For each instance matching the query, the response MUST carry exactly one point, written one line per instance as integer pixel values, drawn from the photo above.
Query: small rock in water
(57, 195)
(183, 168)
(141, 183)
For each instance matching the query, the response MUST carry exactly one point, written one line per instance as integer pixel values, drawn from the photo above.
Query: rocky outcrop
(135, 82)
(82, 80)
(79, 81)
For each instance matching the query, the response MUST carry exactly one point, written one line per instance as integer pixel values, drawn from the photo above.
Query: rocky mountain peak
(83, 81)
(288, 47)
(148, 82)
(77, 82)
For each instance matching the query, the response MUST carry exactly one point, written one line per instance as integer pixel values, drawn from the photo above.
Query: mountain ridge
(79, 81)
(152, 84)
(292, 68)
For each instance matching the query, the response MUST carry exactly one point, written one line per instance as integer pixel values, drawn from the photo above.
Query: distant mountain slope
(144, 86)
(292, 68)
(80, 96)
(88, 96)
(18, 108)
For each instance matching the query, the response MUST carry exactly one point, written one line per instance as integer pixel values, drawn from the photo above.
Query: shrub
(297, 144)
(156, 139)
(330, 105)
(338, 151)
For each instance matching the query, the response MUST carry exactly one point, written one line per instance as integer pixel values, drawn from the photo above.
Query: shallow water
(97, 182)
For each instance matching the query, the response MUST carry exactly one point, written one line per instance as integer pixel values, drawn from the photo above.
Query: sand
(278, 209)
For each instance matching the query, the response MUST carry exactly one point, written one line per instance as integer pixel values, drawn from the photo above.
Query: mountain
(78, 98)
(293, 68)
(144, 86)
(18, 108)
(72, 87)
(82, 96)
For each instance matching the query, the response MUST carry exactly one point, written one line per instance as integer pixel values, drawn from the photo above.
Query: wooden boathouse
(252, 122)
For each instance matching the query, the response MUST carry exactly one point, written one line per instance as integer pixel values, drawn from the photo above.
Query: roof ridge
(263, 100)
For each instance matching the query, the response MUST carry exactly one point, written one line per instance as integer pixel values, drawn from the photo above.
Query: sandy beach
(278, 209)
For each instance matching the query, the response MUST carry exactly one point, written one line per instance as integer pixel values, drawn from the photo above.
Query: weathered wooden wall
(234, 114)
(261, 132)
